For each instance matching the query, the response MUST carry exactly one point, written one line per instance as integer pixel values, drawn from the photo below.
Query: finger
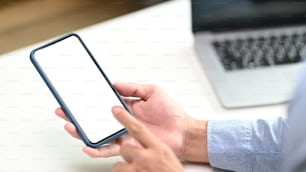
(59, 112)
(134, 127)
(127, 139)
(70, 128)
(104, 151)
(135, 105)
(122, 167)
(129, 152)
(143, 91)
(129, 101)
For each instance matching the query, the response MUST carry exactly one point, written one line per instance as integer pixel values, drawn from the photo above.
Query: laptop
(251, 50)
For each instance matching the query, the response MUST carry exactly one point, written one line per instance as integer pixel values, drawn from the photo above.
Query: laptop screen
(223, 15)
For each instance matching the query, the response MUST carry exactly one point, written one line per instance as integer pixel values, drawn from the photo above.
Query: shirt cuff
(228, 143)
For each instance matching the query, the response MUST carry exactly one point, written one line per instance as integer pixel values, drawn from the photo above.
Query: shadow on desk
(200, 167)
(106, 164)
(103, 165)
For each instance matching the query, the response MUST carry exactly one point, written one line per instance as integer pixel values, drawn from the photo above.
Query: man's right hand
(162, 116)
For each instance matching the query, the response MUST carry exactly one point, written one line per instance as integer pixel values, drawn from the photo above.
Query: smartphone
(80, 87)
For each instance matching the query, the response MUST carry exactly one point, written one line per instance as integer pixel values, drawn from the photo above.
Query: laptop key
(263, 51)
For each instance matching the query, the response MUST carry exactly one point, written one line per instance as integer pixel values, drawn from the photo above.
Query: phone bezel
(58, 98)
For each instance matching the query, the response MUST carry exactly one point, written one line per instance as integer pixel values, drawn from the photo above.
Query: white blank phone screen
(81, 86)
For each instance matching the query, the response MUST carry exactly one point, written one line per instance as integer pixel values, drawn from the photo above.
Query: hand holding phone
(164, 117)
(81, 88)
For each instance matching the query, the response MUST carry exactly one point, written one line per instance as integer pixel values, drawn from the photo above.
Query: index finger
(134, 127)
(143, 91)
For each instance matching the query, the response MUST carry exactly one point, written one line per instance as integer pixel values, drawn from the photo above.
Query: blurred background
(24, 22)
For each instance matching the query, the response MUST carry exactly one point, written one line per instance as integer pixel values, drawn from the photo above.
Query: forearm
(195, 142)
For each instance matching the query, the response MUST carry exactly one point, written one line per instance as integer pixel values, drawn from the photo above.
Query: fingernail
(117, 109)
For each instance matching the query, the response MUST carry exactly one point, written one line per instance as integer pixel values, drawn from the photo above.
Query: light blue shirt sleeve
(295, 140)
(243, 146)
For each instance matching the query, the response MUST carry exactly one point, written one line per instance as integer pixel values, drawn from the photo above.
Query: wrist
(195, 142)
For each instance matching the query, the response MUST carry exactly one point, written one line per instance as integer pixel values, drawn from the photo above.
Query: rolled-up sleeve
(242, 145)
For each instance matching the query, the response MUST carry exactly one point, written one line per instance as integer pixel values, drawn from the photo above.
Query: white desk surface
(154, 45)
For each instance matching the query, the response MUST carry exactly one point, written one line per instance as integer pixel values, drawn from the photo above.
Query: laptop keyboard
(251, 52)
